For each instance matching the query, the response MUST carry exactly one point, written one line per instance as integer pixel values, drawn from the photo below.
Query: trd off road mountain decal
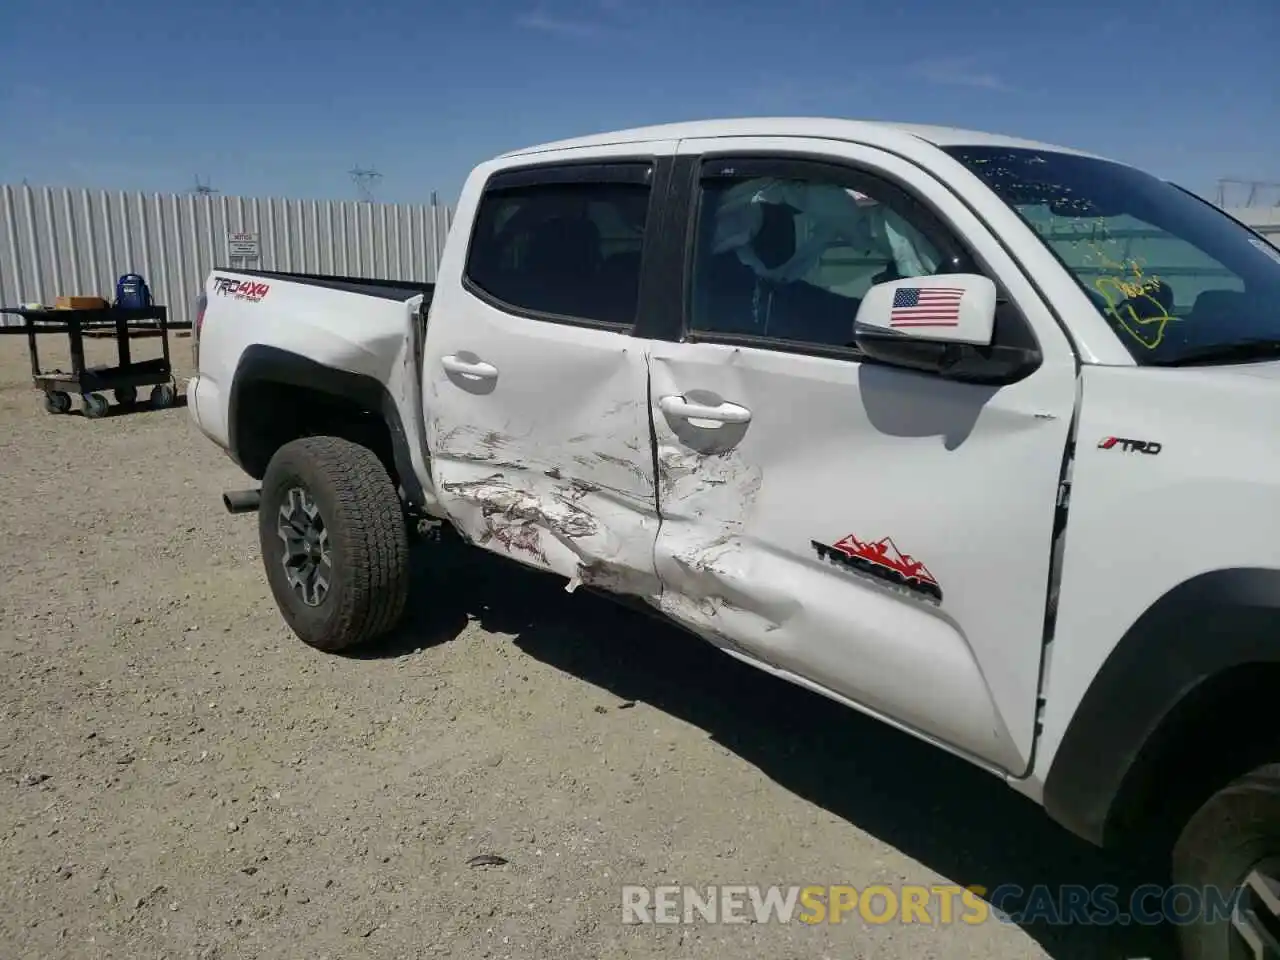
(883, 560)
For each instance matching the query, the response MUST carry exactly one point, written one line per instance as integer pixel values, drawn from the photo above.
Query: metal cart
(123, 380)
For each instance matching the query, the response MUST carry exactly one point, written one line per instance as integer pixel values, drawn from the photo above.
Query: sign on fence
(243, 246)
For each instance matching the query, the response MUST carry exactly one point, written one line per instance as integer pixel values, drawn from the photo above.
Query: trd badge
(1149, 447)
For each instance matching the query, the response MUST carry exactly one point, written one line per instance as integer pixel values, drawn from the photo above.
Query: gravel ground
(182, 778)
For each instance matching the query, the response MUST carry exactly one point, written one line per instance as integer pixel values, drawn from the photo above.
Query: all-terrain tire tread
(1244, 811)
(370, 537)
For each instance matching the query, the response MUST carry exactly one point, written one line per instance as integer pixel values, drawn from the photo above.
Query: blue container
(132, 292)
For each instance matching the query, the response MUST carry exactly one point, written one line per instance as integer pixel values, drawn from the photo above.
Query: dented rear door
(534, 387)
(880, 535)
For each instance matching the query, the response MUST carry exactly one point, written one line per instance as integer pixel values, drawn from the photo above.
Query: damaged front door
(535, 392)
(878, 534)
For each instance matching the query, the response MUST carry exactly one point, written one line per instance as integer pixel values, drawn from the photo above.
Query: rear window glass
(567, 249)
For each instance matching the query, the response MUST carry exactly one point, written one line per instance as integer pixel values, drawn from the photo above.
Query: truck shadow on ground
(939, 810)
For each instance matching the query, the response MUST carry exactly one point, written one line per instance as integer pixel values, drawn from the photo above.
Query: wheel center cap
(305, 556)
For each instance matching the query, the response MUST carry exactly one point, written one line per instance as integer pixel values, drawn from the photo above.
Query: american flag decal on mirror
(926, 307)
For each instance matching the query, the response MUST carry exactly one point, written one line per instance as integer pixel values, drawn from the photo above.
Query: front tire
(1235, 832)
(334, 542)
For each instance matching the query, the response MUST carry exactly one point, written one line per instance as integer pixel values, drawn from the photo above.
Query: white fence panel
(57, 241)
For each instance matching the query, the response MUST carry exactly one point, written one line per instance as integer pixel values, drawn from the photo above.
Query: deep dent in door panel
(767, 603)
(720, 485)
(711, 492)
(768, 616)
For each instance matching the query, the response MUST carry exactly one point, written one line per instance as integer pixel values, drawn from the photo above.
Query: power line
(364, 178)
(1256, 193)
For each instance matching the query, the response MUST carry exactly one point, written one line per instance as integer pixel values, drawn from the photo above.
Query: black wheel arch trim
(266, 364)
(1198, 630)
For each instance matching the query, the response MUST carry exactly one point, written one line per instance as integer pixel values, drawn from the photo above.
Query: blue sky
(283, 98)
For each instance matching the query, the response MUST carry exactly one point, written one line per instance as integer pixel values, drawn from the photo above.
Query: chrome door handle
(476, 369)
(678, 406)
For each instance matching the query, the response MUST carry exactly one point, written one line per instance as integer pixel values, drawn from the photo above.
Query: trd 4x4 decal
(883, 560)
(240, 289)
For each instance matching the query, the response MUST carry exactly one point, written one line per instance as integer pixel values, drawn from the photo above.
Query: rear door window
(567, 250)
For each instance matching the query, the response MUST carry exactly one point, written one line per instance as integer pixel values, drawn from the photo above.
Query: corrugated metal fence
(77, 242)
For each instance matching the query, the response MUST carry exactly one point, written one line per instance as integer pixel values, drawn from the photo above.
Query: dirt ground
(181, 777)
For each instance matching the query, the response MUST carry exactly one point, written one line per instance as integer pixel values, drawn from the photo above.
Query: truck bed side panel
(343, 329)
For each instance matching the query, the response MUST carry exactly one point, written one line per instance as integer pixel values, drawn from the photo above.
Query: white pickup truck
(976, 435)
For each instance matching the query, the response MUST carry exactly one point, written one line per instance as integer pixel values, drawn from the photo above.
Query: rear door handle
(476, 369)
(724, 413)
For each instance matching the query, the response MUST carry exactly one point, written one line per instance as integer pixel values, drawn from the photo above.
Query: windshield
(1174, 277)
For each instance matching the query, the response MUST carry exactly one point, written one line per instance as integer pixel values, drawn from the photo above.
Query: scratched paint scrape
(517, 520)
(470, 445)
(589, 452)
(555, 531)
(698, 482)
(528, 497)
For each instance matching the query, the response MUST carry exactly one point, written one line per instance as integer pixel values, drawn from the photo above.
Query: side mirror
(943, 325)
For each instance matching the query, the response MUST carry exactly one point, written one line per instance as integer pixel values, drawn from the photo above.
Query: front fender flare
(1207, 625)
